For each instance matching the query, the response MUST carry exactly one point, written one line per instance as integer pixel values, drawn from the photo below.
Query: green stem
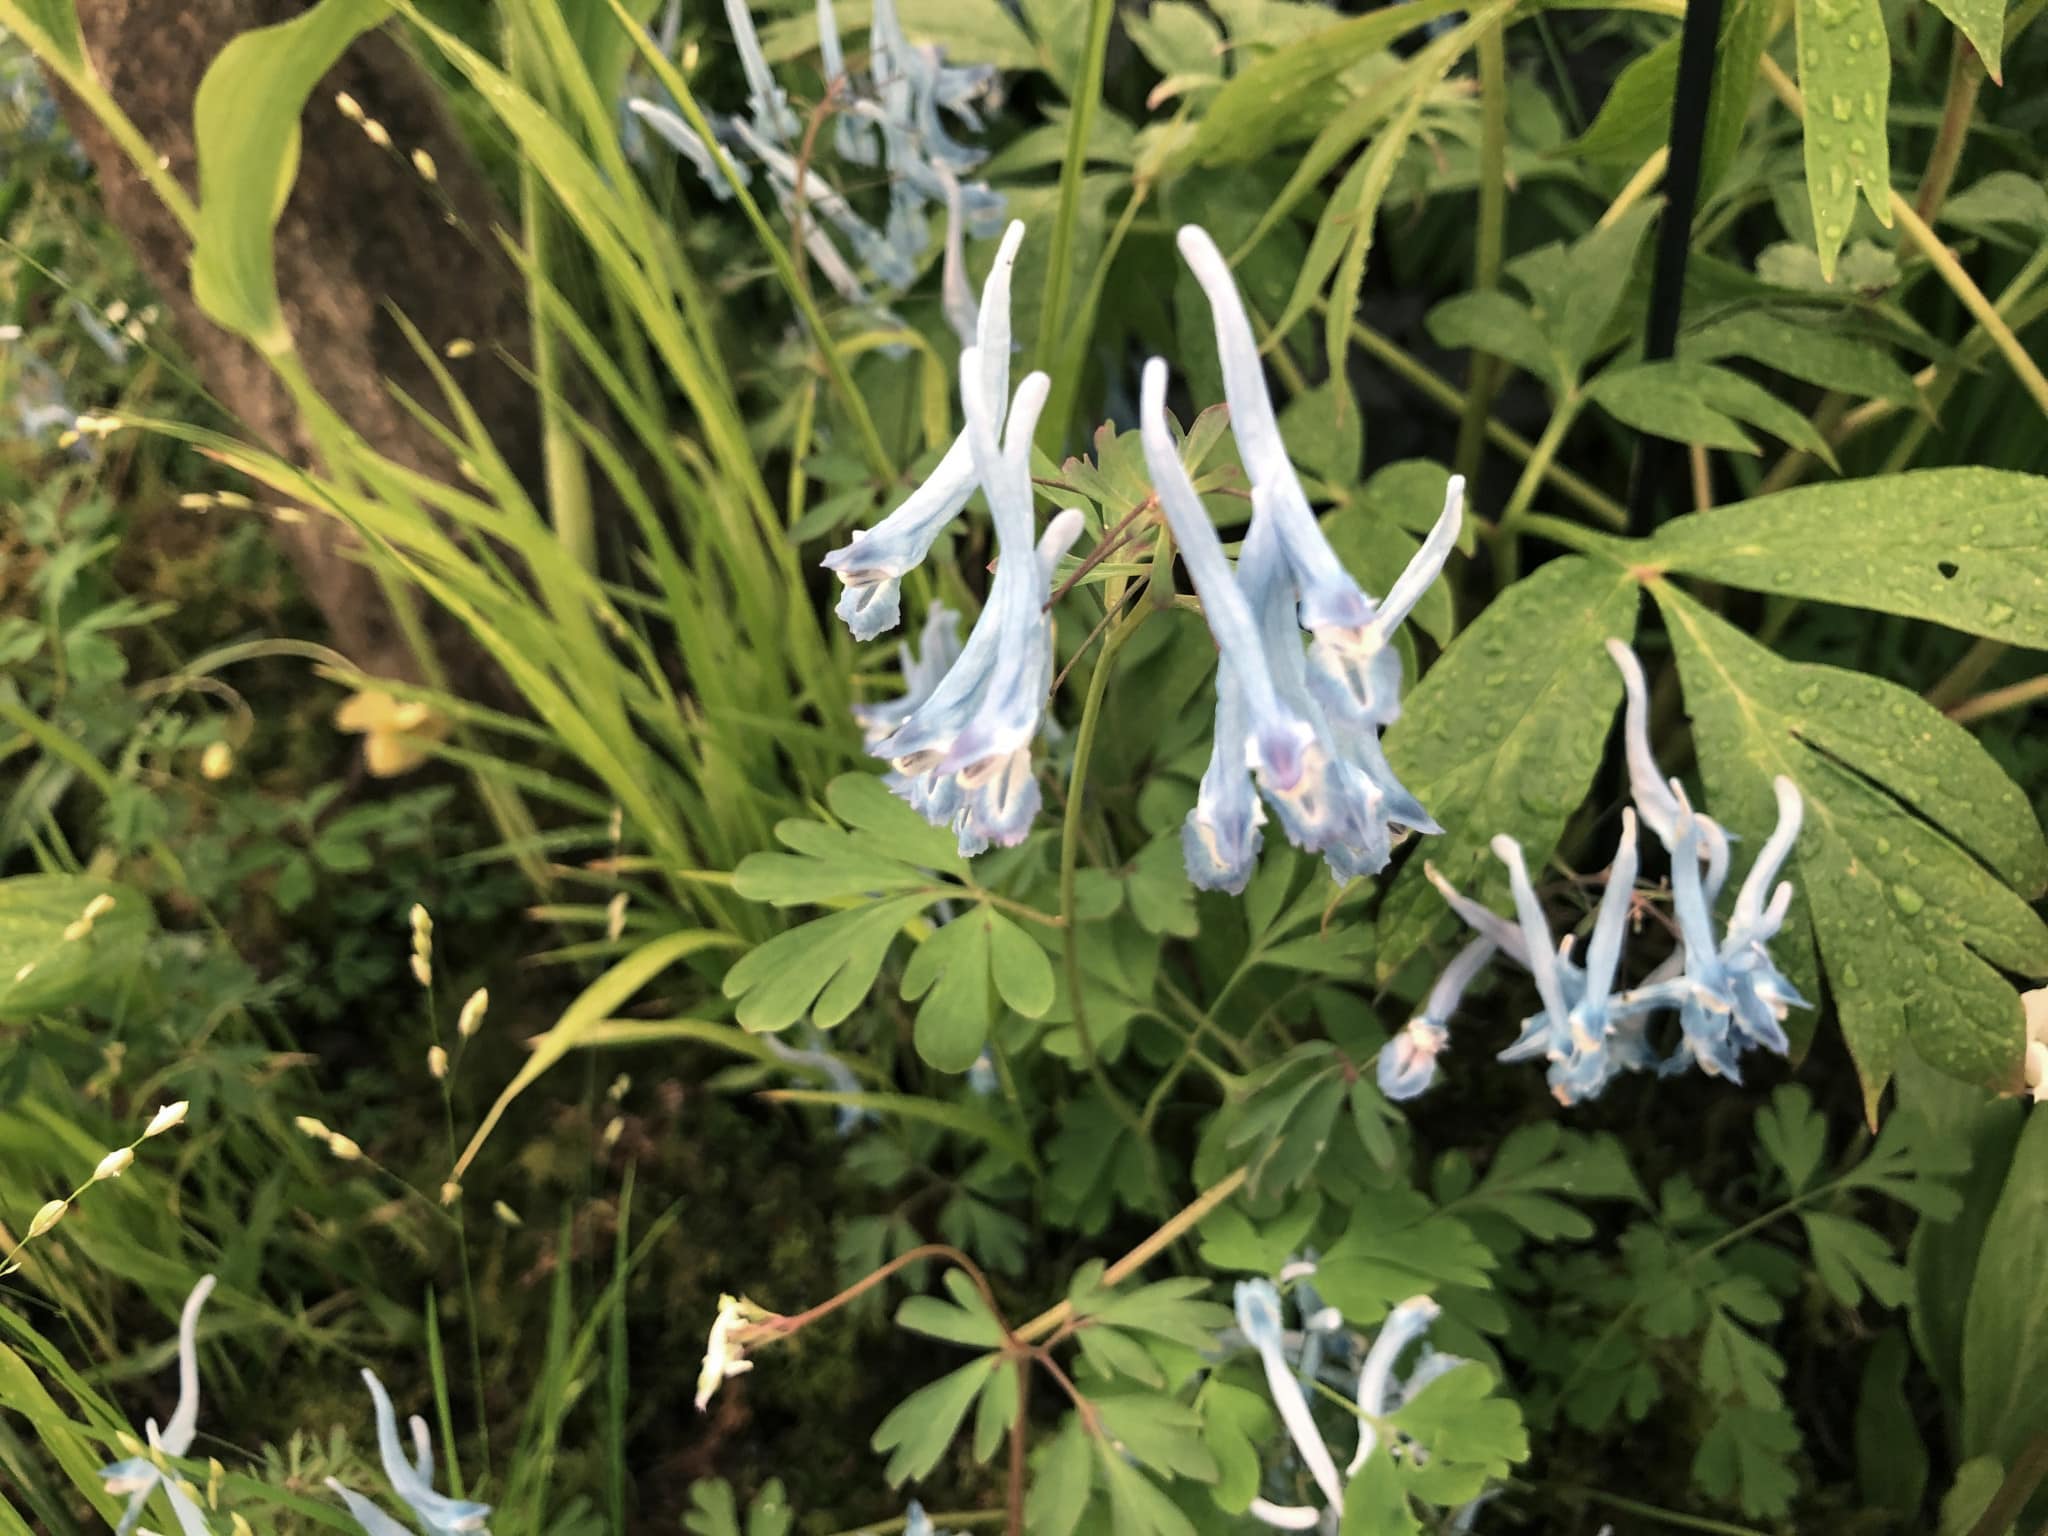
(568, 477)
(1999, 700)
(1087, 98)
(1965, 78)
(1671, 1517)
(1966, 674)
(1507, 556)
(1486, 370)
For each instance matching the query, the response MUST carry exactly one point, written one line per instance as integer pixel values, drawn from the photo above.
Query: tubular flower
(1727, 992)
(1304, 725)
(937, 648)
(1403, 1326)
(1258, 1319)
(1353, 671)
(1407, 1064)
(962, 757)
(872, 565)
(139, 1476)
(412, 1480)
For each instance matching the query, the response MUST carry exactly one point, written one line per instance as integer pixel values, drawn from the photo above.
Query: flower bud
(376, 133)
(342, 1147)
(506, 1214)
(114, 1164)
(217, 761)
(166, 1118)
(307, 1125)
(424, 164)
(422, 970)
(437, 1062)
(450, 1192)
(348, 106)
(472, 1018)
(98, 907)
(47, 1217)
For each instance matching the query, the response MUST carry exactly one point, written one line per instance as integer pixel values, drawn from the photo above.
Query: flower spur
(140, 1476)
(962, 757)
(412, 1480)
(872, 565)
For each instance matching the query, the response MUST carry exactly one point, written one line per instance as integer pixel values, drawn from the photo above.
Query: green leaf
(1666, 400)
(995, 1410)
(245, 127)
(1137, 1506)
(2001, 198)
(1374, 1504)
(1977, 1483)
(1397, 1245)
(1576, 289)
(966, 1119)
(1817, 352)
(1161, 895)
(1746, 1457)
(1912, 929)
(1891, 1457)
(1967, 548)
(1983, 23)
(1115, 1354)
(827, 967)
(1161, 1432)
(950, 971)
(1019, 967)
(1264, 104)
(1505, 734)
(918, 1429)
(1794, 1135)
(1178, 40)
(1230, 1240)
(41, 970)
(1236, 1423)
(1472, 1435)
(1495, 322)
(1531, 1169)
(1852, 1259)
(1060, 1482)
(1845, 74)
(965, 1319)
(1325, 433)
(2005, 1329)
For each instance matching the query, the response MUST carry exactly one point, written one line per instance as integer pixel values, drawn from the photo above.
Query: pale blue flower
(640, 84)
(1353, 671)
(872, 565)
(923, 666)
(712, 162)
(1407, 1063)
(1731, 996)
(1258, 1319)
(1403, 1326)
(139, 1476)
(765, 100)
(963, 757)
(837, 1074)
(412, 1480)
(103, 336)
(982, 1077)
(1655, 800)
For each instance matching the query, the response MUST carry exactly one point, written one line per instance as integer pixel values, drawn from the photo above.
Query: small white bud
(348, 106)
(437, 1062)
(450, 1192)
(169, 1116)
(376, 133)
(342, 1147)
(621, 1086)
(117, 311)
(309, 1126)
(472, 1017)
(422, 970)
(98, 907)
(234, 499)
(196, 501)
(27, 970)
(47, 1217)
(458, 349)
(114, 1164)
(506, 1214)
(613, 1130)
(217, 761)
(424, 164)
(288, 514)
(76, 930)
(136, 332)
(615, 917)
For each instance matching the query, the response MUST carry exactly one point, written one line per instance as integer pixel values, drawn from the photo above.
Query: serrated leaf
(1575, 289)
(950, 972)
(1471, 1433)
(1060, 1482)
(1397, 1245)
(1845, 74)
(1736, 1364)
(918, 1429)
(2005, 1327)
(1505, 734)
(1966, 547)
(1793, 1134)
(1891, 1457)
(1912, 929)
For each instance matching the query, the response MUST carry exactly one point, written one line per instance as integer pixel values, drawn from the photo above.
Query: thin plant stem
(1671, 1517)
(1087, 100)
(1966, 674)
(1965, 79)
(1999, 700)
(2028, 1468)
(1189, 1216)
(1507, 557)
(1486, 371)
(1637, 187)
(1451, 399)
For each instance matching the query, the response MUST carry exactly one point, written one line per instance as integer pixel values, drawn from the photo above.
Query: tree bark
(364, 232)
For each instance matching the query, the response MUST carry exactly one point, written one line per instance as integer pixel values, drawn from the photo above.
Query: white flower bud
(98, 907)
(472, 1018)
(615, 917)
(437, 1062)
(424, 164)
(167, 1117)
(114, 1164)
(506, 1214)
(376, 133)
(307, 1125)
(217, 761)
(47, 1217)
(422, 971)
(450, 1192)
(348, 106)
(342, 1147)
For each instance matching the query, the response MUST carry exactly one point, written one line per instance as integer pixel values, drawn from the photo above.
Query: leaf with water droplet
(1845, 74)
(1504, 734)
(1912, 883)
(1963, 547)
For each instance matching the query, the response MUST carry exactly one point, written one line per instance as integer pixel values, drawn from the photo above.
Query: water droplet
(1857, 147)
(1838, 179)
(1870, 104)
(1809, 695)
(1849, 978)
(1781, 578)
(1855, 42)
(1998, 612)
(1884, 846)
(1909, 900)
(1843, 108)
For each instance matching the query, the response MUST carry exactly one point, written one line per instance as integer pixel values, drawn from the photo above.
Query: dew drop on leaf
(1909, 900)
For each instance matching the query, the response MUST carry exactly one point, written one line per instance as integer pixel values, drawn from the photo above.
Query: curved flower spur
(140, 1476)
(872, 565)
(1728, 993)
(411, 1479)
(1305, 725)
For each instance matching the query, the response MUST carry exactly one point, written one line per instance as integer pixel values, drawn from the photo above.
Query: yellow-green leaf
(1845, 73)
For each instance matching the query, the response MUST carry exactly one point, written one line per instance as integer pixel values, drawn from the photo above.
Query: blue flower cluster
(1727, 992)
(140, 1476)
(412, 1481)
(892, 118)
(1323, 1350)
(1298, 720)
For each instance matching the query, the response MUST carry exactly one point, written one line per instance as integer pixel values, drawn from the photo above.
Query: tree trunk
(364, 232)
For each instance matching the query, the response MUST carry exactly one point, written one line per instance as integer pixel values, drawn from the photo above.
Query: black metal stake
(1697, 48)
